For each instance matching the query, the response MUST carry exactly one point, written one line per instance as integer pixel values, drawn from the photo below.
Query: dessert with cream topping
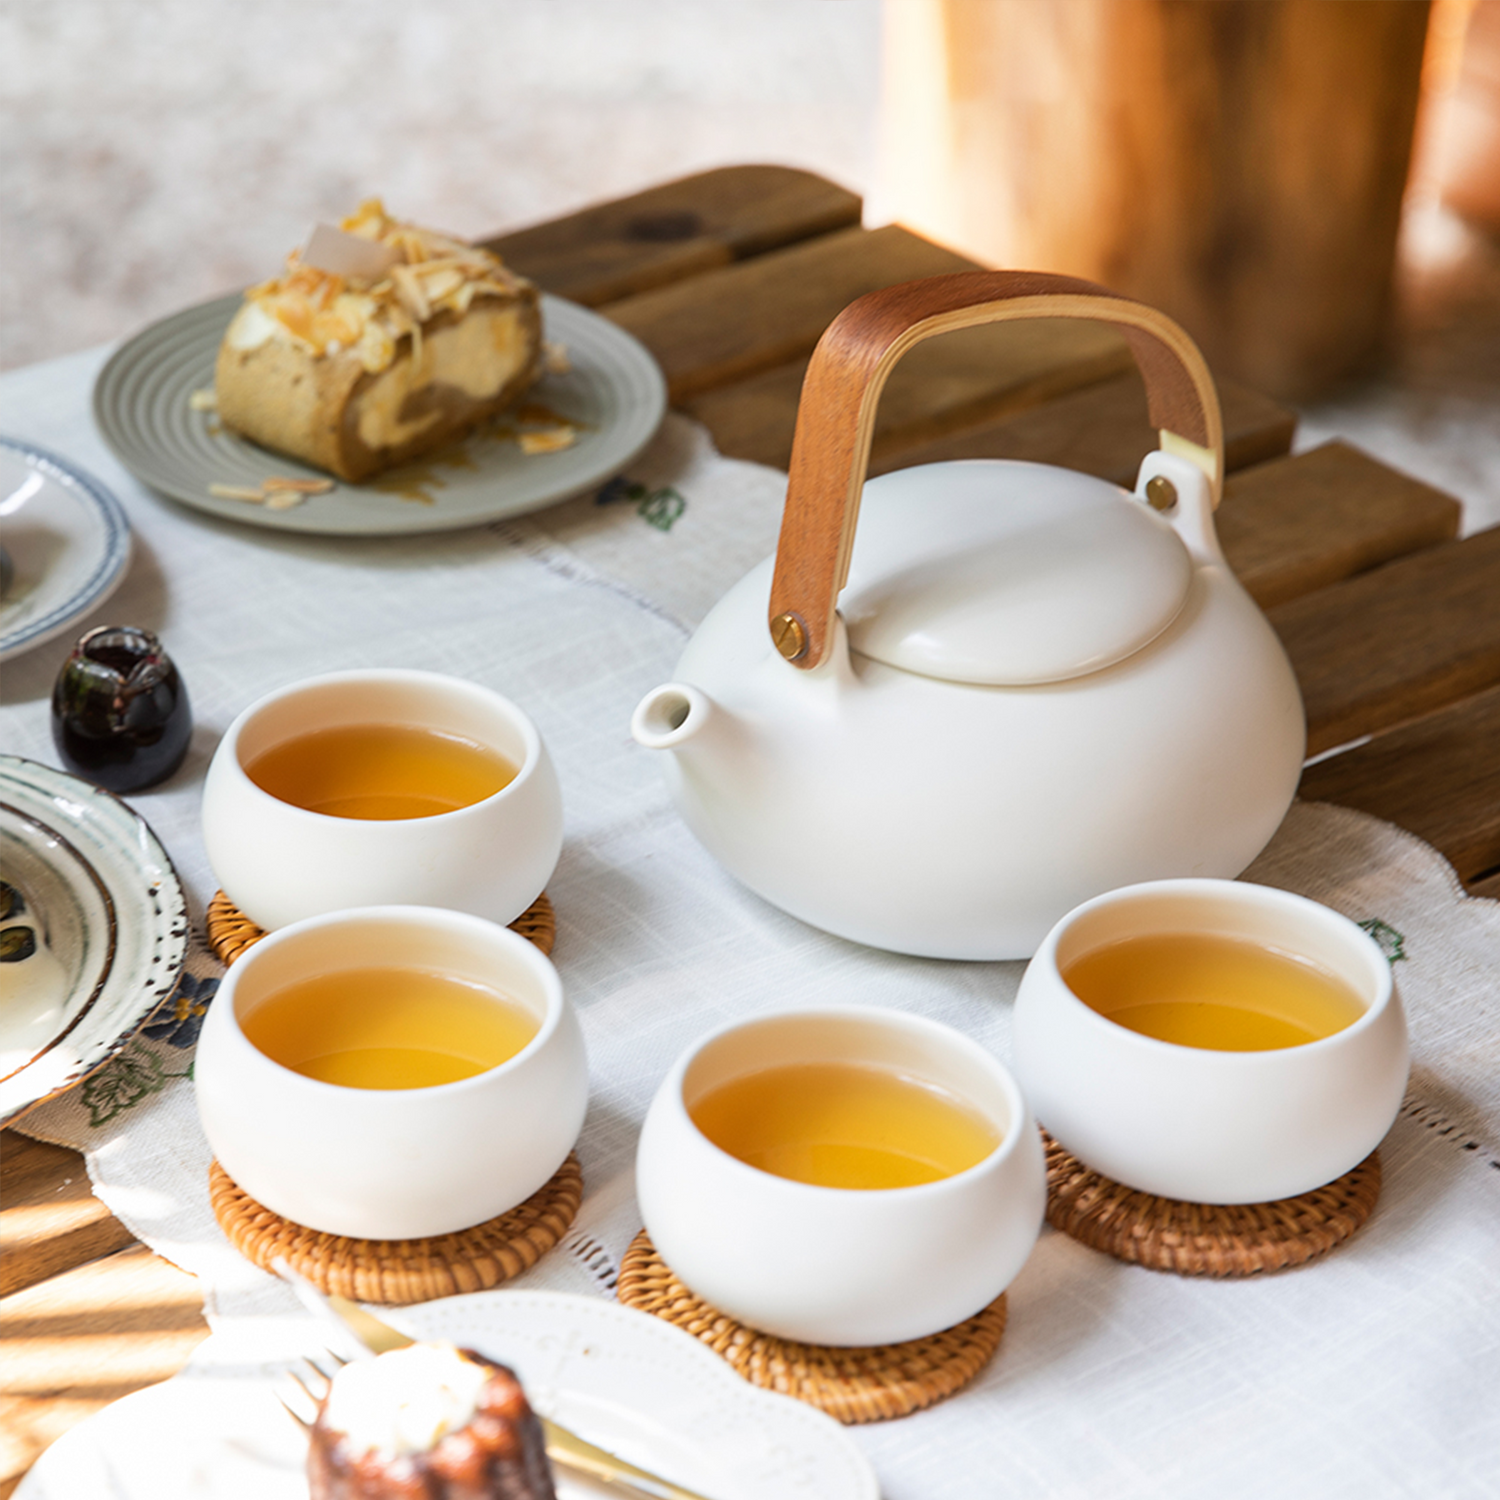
(431, 1421)
(380, 342)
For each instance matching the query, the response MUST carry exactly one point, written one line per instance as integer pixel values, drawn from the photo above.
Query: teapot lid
(1006, 573)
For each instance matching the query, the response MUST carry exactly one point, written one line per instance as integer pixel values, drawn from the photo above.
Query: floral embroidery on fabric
(1390, 942)
(179, 1018)
(132, 1076)
(659, 508)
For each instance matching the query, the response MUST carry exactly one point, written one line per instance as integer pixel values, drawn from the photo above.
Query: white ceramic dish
(614, 392)
(68, 540)
(389, 1164)
(1193, 1123)
(622, 1378)
(114, 917)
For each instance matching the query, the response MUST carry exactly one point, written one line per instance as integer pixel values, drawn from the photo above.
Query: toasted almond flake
(548, 440)
(277, 485)
(410, 294)
(237, 492)
(206, 399)
(555, 358)
(376, 348)
(441, 282)
(284, 499)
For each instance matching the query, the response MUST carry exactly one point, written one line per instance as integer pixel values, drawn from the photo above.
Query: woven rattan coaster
(855, 1385)
(390, 1271)
(1205, 1239)
(230, 931)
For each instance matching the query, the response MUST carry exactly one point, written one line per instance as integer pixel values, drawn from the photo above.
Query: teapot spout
(671, 715)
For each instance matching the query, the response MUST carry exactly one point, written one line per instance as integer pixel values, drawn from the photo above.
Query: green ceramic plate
(614, 393)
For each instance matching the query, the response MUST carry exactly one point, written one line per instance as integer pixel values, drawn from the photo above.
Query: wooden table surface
(1392, 624)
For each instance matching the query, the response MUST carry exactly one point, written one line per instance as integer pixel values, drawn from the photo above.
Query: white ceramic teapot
(1036, 686)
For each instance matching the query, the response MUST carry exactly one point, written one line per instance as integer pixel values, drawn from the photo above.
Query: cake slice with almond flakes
(381, 342)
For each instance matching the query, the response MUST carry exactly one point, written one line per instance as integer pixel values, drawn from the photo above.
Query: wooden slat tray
(1387, 646)
(677, 230)
(1101, 429)
(1438, 776)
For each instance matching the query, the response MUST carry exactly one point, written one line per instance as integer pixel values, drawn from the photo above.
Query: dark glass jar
(120, 713)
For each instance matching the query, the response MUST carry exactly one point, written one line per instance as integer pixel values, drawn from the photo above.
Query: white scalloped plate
(620, 1378)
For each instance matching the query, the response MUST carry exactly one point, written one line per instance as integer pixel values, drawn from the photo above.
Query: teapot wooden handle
(836, 415)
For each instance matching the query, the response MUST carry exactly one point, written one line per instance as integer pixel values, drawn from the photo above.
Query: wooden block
(1487, 886)
(50, 1220)
(1300, 523)
(1401, 641)
(950, 383)
(753, 418)
(1256, 428)
(1240, 165)
(74, 1343)
(1438, 777)
(674, 231)
(741, 319)
(953, 382)
(1458, 137)
(1101, 429)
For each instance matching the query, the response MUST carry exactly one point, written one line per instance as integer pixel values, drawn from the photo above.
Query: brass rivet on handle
(1161, 493)
(789, 635)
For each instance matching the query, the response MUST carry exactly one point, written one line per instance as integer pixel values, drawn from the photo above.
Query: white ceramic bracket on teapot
(1036, 685)
(848, 371)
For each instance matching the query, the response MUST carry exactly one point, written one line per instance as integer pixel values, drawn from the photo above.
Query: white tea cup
(842, 1266)
(392, 1163)
(279, 862)
(1196, 1123)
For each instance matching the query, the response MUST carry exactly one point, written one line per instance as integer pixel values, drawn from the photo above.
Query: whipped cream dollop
(405, 1401)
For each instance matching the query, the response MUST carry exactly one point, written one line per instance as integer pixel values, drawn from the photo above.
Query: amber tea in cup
(389, 1028)
(381, 786)
(1212, 990)
(380, 771)
(364, 1073)
(844, 1125)
(854, 1176)
(1260, 1050)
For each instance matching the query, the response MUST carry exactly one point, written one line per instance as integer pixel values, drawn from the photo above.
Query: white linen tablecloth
(1373, 1373)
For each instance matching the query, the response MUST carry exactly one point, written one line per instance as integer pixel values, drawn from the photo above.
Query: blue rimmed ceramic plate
(66, 541)
(93, 933)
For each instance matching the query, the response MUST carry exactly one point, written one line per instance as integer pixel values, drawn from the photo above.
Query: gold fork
(564, 1447)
